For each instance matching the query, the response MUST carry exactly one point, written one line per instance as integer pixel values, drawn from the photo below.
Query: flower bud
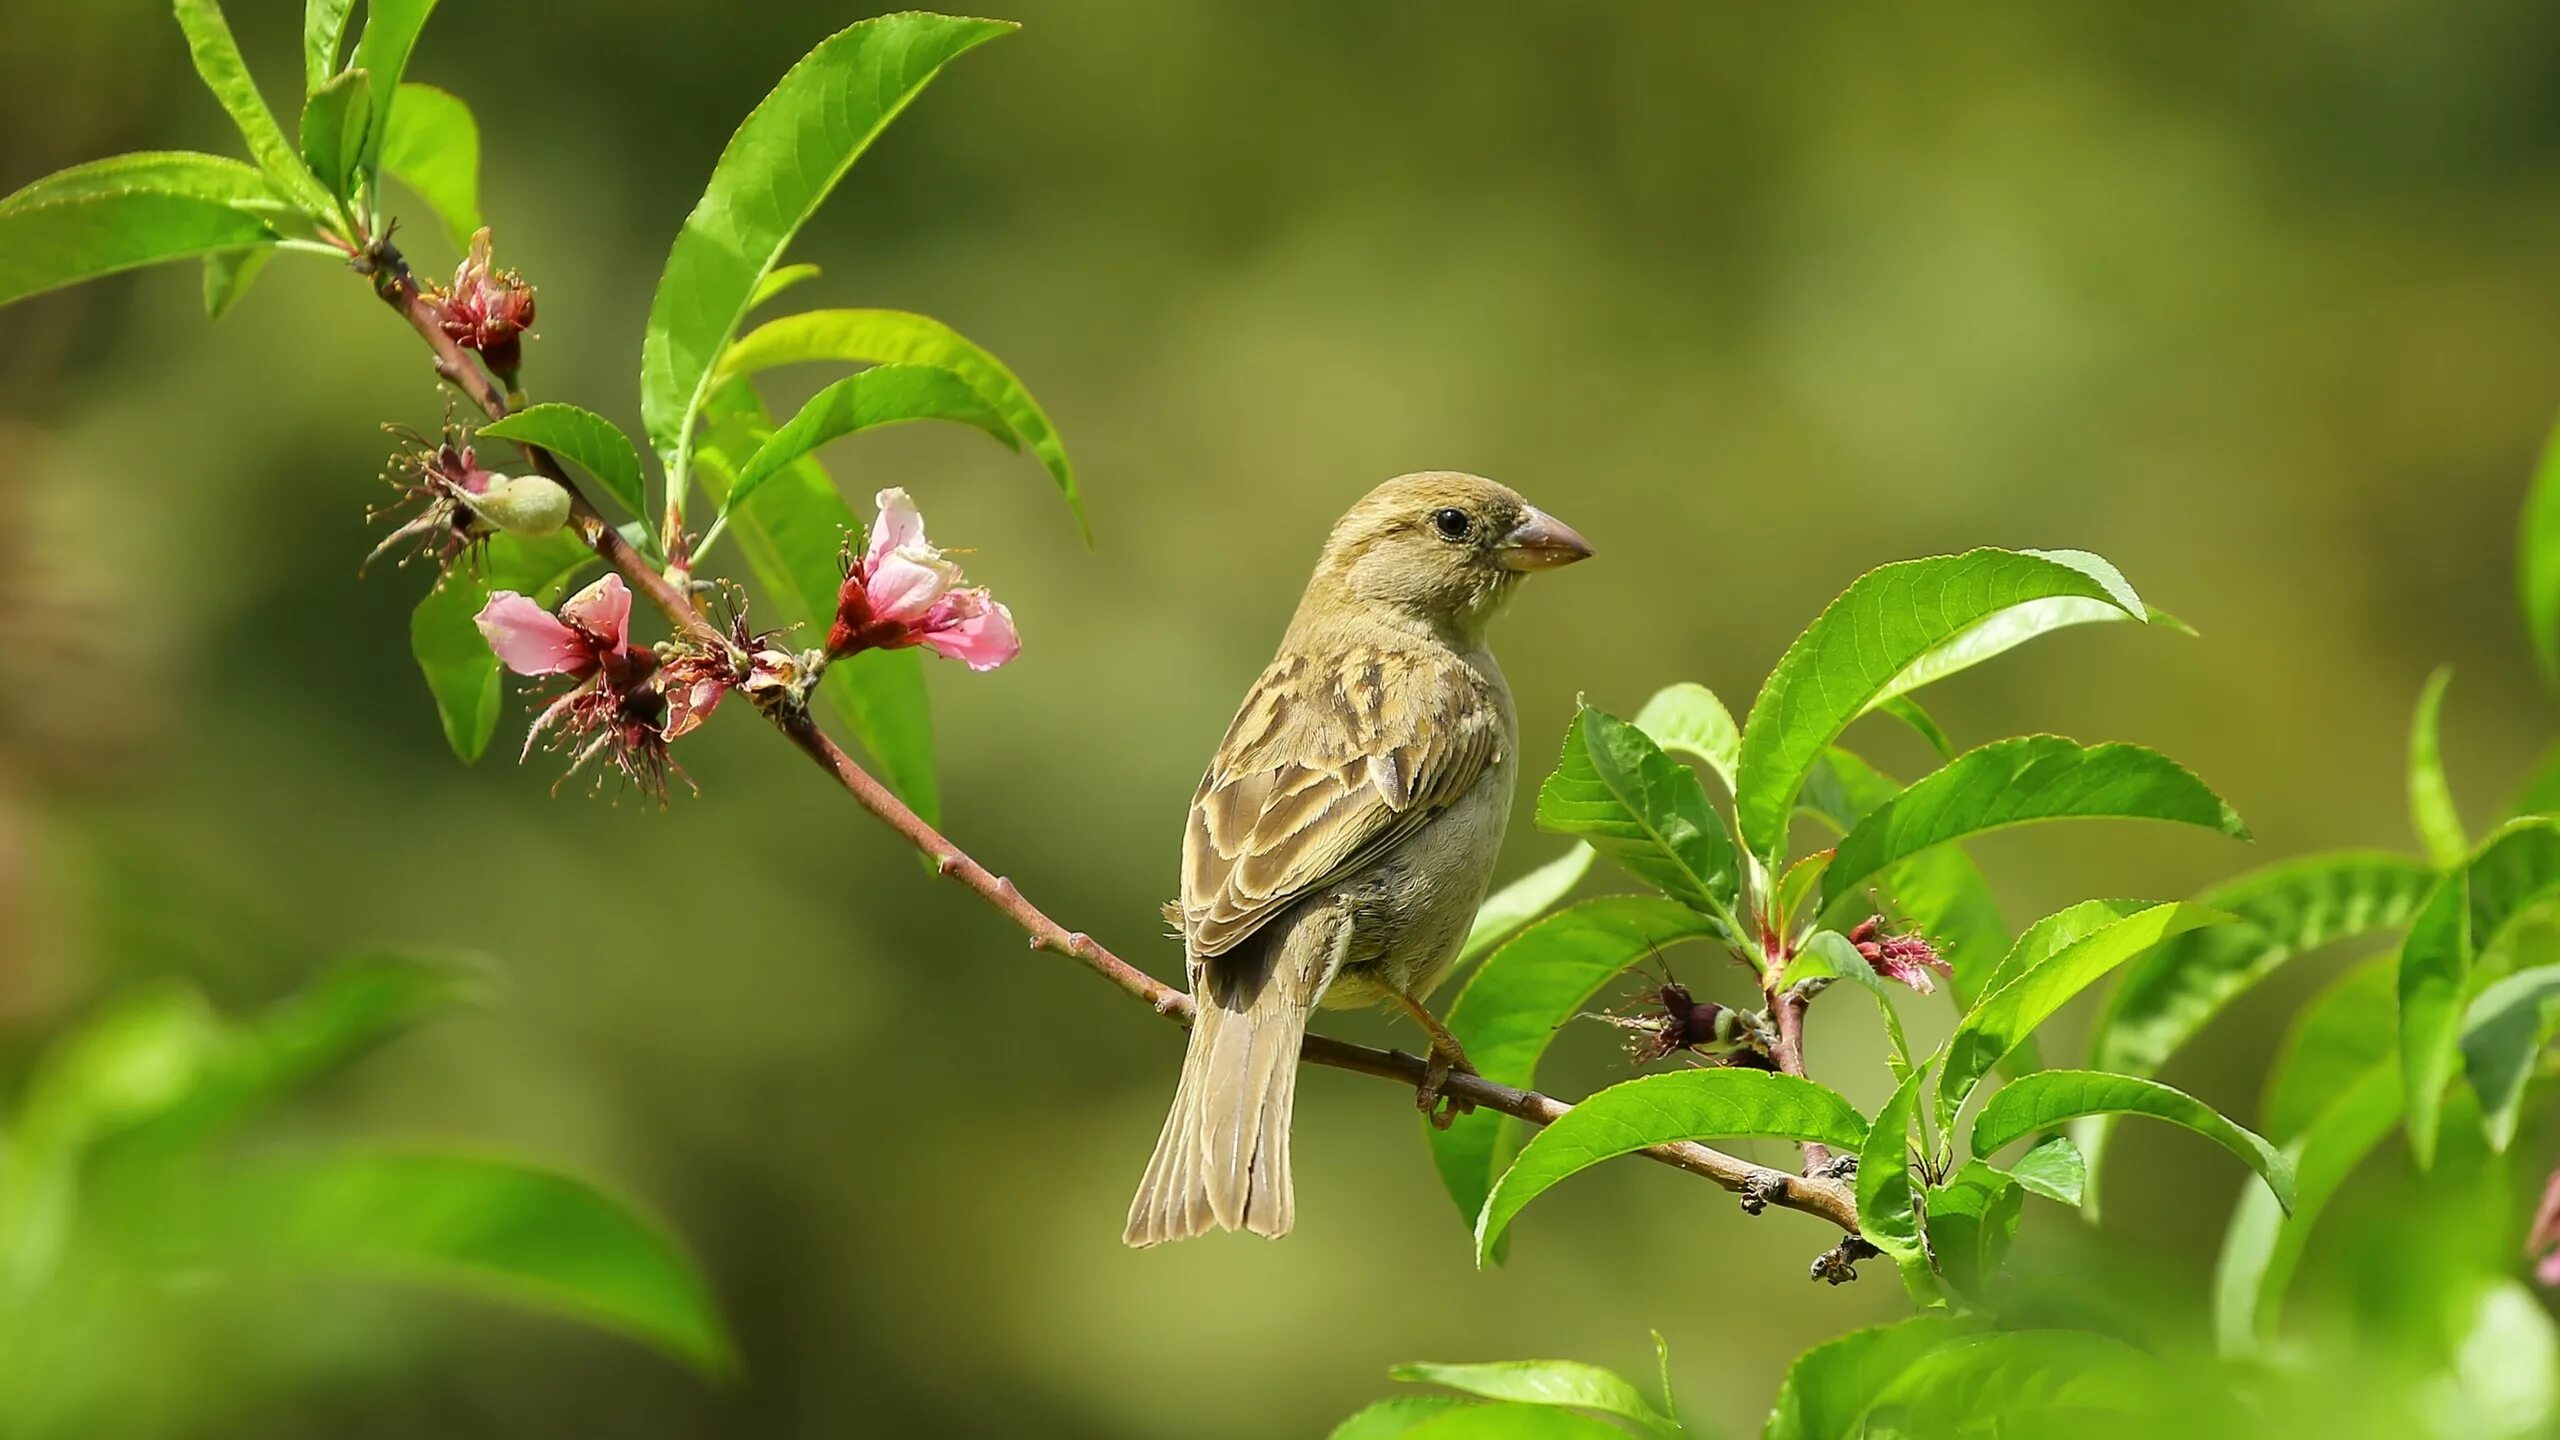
(528, 507)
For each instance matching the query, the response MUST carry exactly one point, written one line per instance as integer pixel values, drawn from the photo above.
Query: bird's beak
(1541, 542)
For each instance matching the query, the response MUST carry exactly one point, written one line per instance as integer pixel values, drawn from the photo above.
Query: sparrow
(1345, 831)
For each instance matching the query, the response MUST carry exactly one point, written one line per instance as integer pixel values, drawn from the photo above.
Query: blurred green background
(2259, 302)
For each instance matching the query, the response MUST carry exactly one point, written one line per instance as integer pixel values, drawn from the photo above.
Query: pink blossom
(612, 706)
(488, 309)
(592, 628)
(1907, 958)
(903, 591)
(2542, 1244)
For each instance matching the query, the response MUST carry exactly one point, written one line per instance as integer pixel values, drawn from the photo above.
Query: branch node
(945, 863)
(1839, 1264)
(1842, 1167)
(1761, 1189)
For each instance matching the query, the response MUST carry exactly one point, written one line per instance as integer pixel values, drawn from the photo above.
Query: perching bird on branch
(1345, 832)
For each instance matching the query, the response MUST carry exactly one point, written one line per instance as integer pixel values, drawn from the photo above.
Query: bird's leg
(1446, 1055)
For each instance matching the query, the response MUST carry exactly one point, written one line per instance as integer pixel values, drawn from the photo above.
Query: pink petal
(2546, 1218)
(528, 639)
(690, 706)
(905, 583)
(974, 630)
(899, 526)
(2548, 1272)
(604, 611)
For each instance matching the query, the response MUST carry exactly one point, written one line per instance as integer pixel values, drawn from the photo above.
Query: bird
(1344, 832)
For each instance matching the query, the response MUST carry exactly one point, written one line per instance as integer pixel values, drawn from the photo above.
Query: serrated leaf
(218, 63)
(1657, 1109)
(1972, 1220)
(2016, 781)
(1688, 719)
(227, 276)
(1506, 910)
(2011, 628)
(2346, 1030)
(1569, 1384)
(2264, 1244)
(2026, 1382)
(595, 444)
(1922, 723)
(1829, 1387)
(1853, 654)
(334, 131)
(2052, 1167)
(1888, 1215)
(782, 278)
(1507, 1421)
(1616, 790)
(461, 672)
(2504, 1033)
(2009, 1013)
(792, 532)
(2512, 872)
(1514, 1004)
(882, 395)
(497, 1228)
(2431, 807)
(324, 35)
(1393, 1419)
(119, 214)
(2169, 995)
(382, 50)
(2538, 561)
(2048, 1098)
(1940, 891)
(782, 161)
(433, 146)
(889, 337)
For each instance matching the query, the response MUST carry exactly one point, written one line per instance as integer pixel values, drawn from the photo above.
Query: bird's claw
(1438, 1106)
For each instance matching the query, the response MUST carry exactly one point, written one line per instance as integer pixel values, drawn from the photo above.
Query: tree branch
(392, 281)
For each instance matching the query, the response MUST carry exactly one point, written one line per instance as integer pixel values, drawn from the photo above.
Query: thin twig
(1813, 1194)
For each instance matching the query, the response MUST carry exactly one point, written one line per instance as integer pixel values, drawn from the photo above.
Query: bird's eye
(1452, 524)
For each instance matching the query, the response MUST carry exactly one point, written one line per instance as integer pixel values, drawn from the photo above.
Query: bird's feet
(1431, 1098)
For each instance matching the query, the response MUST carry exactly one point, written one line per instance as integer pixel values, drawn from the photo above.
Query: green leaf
(1972, 1220)
(2047, 1098)
(2009, 1013)
(2506, 1361)
(2012, 782)
(790, 151)
(1908, 711)
(2503, 1034)
(1940, 891)
(461, 672)
(324, 35)
(433, 147)
(2285, 910)
(1514, 1422)
(2512, 872)
(2538, 561)
(792, 532)
(218, 62)
(1657, 1109)
(1616, 789)
(2541, 792)
(390, 32)
(334, 123)
(782, 278)
(1566, 1383)
(1506, 910)
(227, 274)
(1687, 718)
(2064, 927)
(1828, 955)
(1888, 1215)
(503, 1229)
(2264, 1245)
(133, 210)
(1393, 1419)
(2022, 1382)
(594, 443)
(1856, 651)
(2013, 627)
(2431, 807)
(882, 395)
(1829, 1387)
(1513, 1005)
(2052, 1167)
(890, 337)
(2346, 1030)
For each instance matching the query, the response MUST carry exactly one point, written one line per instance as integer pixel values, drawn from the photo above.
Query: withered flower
(488, 310)
(1668, 1020)
(457, 504)
(1907, 957)
(612, 706)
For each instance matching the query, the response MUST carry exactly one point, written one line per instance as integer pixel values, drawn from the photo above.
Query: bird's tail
(1223, 1158)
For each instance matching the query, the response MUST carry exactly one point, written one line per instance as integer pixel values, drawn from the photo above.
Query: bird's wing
(1330, 762)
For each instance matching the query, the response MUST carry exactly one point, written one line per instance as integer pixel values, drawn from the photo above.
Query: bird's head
(1441, 549)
